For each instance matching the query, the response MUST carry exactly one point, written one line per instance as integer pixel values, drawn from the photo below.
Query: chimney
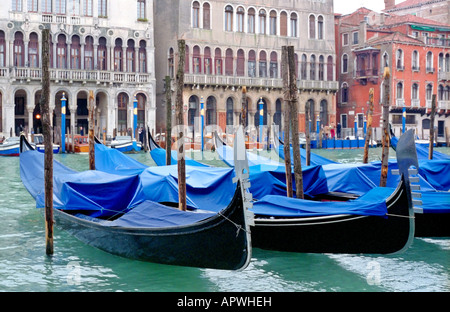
(389, 4)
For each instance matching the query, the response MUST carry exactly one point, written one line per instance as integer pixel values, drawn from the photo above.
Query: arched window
(33, 50)
(294, 25)
(321, 67)
(19, 53)
(118, 55)
(273, 65)
(400, 91)
(303, 67)
(61, 52)
(330, 68)
(140, 109)
(207, 61)
(122, 108)
(415, 60)
(415, 95)
(323, 112)
(196, 60)
(218, 67)
(130, 56)
(75, 53)
(320, 28)
(262, 64)
(312, 68)
(251, 63)
(102, 55)
(210, 116)
(277, 115)
(251, 21)
(262, 21)
(142, 56)
(344, 63)
(195, 14)
(312, 27)
(441, 93)
(399, 59)
(283, 24)
(429, 94)
(344, 93)
(257, 116)
(240, 63)
(89, 53)
(229, 62)
(230, 111)
(430, 68)
(206, 16)
(240, 12)
(447, 62)
(228, 18)
(2, 49)
(193, 109)
(273, 23)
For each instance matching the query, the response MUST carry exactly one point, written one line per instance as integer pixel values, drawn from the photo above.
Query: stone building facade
(417, 53)
(102, 46)
(236, 44)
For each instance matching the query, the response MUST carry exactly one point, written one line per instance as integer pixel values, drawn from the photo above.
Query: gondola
(332, 227)
(315, 231)
(110, 212)
(126, 144)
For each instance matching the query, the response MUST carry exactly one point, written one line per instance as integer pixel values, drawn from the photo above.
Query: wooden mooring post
(48, 141)
(168, 121)
(180, 124)
(385, 139)
(293, 102)
(287, 118)
(91, 131)
(369, 127)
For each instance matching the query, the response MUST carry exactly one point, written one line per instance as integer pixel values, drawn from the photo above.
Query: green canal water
(75, 266)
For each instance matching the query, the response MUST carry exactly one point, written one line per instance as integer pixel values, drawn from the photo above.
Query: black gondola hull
(432, 224)
(220, 242)
(349, 234)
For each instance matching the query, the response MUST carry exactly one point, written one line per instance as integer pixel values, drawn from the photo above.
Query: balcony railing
(71, 75)
(277, 83)
(415, 103)
(443, 104)
(443, 75)
(443, 42)
(400, 102)
(366, 73)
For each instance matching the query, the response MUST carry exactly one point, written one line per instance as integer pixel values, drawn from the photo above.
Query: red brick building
(417, 52)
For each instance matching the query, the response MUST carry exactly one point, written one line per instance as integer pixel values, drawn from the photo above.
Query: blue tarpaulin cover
(101, 194)
(423, 151)
(206, 183)
(149, 214)
(373, 203)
